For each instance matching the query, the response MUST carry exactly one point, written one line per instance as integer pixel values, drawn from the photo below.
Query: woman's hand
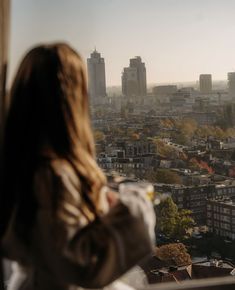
(113, 198)
(135, 197)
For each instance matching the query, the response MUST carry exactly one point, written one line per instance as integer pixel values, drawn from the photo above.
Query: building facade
(129, 82)
(205, 82)
(96, 76)
(164, 90)
(221, 217)
(231, 85)
(134, 78)
(194, 199)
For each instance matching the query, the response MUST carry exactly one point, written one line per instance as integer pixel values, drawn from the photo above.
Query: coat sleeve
(94, 255)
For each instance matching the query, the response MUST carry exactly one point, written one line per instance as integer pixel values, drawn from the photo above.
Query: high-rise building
(134, 78)
(164, 90)
(229, 114)
(205, 81)
(129, 82)
(96, 76)
(231, 85)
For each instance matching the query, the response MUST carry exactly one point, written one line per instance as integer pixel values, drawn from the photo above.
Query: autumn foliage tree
(164, 149)
(99, 136)
(185, 129)
(167, 176)
(173, 254)
(162, 176)
(196, 164)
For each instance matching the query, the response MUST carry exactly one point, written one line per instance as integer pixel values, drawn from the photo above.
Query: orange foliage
(202, 165)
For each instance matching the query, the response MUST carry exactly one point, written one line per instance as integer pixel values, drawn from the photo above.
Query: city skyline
(177, 40)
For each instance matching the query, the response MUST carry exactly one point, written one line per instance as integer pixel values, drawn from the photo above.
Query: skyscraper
(96, 76)
(205, 81)
(231, 85)
(134, 78)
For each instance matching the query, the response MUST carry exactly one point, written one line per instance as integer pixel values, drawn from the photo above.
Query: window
(216, 224)
(226, 210)
(216, 216)
(225, 218)
(148, 97)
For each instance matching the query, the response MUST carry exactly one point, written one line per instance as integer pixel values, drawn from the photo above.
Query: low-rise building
(194, 199)
(202, 118)
(220, 213)
(158, 271)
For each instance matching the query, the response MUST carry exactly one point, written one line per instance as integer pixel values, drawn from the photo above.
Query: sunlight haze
(177, 39)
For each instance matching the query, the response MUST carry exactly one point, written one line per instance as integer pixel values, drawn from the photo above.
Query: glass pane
(162, 93)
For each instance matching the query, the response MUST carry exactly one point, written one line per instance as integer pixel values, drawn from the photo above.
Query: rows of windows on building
(212, 205)
(133, 78)
(140, 155)
(134, 82)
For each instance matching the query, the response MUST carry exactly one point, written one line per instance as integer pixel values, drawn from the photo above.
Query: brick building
(220, 214)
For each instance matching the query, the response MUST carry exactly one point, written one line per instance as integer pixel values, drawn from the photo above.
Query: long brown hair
(49, 106)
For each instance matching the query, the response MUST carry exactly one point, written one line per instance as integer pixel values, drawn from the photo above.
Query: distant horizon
(177, 40)
(173, 83)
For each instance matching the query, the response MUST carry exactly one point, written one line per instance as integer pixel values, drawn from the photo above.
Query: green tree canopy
(171, 221)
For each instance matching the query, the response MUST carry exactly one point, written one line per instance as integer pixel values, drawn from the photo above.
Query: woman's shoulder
(55, 175)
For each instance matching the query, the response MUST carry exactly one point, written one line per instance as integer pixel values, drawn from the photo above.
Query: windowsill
(224, 283)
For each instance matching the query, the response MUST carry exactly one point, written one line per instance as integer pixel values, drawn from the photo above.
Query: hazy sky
(177, 39)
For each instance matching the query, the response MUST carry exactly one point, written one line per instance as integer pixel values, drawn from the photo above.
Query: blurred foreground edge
(4, 49)
(200, 284)
(4, 39)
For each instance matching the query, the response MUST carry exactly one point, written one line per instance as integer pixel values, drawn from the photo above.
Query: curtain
(4, 39)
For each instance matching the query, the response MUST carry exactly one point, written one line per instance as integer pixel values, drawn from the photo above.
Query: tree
(166, 123)
(186, 126)
(166, 215)
(181, 138)
(130, 132)
(165, 150)
(162, 176)
(184, 222)
(219, 133)
(135, 136)
(167, 176)
(200, 165)
(99, 136)
(203, 132)
(230, 132)
(174, 254)
(171, 221)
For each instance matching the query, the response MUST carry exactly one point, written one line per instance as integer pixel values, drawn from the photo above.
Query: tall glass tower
(96, 76)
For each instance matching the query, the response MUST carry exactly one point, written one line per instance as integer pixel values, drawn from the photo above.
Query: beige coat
(88, 255)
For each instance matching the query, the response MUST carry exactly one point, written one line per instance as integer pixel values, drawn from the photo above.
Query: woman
(59, 222)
